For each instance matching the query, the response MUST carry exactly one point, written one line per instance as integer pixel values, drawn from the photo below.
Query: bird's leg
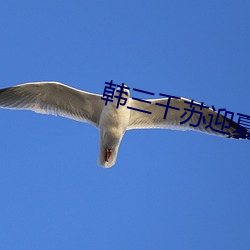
(108, 154)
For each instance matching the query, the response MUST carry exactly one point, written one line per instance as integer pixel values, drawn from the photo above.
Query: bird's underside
(58, 99)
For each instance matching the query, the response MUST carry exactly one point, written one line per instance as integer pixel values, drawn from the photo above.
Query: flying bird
(55, 98)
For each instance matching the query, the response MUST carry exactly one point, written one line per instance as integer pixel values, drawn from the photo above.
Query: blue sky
(169, 189)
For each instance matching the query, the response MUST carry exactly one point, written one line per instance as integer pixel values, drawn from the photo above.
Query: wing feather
(53, 98)
(174, 118)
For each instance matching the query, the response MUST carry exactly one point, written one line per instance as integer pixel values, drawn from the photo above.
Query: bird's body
(113, 121)
(113, 125)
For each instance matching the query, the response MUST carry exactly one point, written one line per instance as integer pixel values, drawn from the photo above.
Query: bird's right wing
(53, 98)
(180, 117)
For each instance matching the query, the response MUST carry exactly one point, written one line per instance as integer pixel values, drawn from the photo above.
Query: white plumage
(58, 99)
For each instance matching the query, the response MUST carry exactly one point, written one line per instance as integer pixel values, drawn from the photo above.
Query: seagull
(55, 98)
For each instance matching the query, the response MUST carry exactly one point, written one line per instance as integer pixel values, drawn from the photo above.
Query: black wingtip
(239, 132)
(3, 90)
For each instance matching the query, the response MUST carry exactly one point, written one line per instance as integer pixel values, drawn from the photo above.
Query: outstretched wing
(205, 120)
(55, 99)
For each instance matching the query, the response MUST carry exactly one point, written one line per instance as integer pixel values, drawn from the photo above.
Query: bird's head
(125, 90)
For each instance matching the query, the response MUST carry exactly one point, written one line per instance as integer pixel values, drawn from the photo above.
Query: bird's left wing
(53, 98)
(179, 111)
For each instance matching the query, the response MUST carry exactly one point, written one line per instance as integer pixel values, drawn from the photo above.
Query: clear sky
(169, 189)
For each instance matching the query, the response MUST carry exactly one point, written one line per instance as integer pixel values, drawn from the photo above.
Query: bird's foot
(108, 154)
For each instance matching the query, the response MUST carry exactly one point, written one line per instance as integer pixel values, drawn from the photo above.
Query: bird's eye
(126, 93)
